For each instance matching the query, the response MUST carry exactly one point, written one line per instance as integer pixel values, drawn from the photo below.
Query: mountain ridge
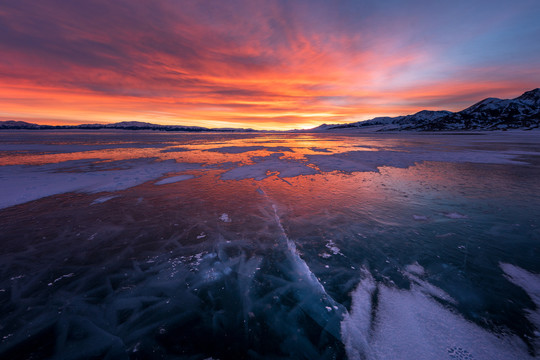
(522, 112)
(123, 125)
(491, 113)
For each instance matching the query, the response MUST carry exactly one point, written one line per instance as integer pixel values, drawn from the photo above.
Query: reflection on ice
(130, 168)
(266, 166)
(242, 149)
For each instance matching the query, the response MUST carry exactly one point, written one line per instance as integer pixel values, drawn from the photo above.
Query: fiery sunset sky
(260, 64)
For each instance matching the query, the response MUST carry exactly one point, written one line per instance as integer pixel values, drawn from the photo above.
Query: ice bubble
(330, 245)
(455, 215)
(445, 235)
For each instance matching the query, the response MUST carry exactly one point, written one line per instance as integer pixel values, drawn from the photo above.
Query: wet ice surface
(375, 246)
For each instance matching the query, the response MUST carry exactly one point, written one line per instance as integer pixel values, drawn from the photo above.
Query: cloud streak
(261, 64)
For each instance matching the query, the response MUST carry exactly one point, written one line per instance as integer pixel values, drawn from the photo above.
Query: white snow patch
(527, 281)
(355, 326)
(103, 199)
(225, 218)
(428, 289)
(330, 245)
(455, 215)
(415, 268)
(410, 325)
(198, 258)
(531, 284)
(174, 179)
(20, 184)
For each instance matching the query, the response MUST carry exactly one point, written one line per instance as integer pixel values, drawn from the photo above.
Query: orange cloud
(259, 65)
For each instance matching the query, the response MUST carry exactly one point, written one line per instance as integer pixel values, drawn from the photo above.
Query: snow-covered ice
(319, 246)
(20, 184)
(455, 215)
(531, 284)
(415, 268)
(266, 166)
(173, 179)
(102, 199)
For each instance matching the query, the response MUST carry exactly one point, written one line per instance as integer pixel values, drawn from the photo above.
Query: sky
(275, 64)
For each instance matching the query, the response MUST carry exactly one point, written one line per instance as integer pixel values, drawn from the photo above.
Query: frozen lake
(143, 245)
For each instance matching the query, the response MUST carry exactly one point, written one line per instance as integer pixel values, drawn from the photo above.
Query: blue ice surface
(406, 253)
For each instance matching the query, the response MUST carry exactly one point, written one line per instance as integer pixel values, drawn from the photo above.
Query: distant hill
(522, 112)
(124, 125)
(18, 125)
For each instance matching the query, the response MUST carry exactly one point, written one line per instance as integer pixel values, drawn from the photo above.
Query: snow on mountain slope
(522, 112)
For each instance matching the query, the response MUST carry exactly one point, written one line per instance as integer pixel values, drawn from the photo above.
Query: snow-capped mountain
(393, 123)
(522, 112)
(493, 113)
(139, 125)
